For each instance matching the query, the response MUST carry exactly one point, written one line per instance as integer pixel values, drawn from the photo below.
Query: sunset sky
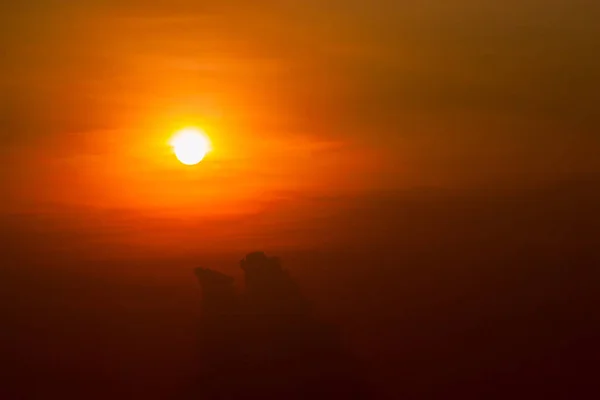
(314, 108)
(426, 171)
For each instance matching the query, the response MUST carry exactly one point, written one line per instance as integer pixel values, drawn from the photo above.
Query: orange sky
(299, 99)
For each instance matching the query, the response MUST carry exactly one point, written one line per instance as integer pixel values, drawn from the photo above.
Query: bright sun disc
(190, 145)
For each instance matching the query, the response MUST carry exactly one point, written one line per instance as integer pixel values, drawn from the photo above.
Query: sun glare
(190, 145)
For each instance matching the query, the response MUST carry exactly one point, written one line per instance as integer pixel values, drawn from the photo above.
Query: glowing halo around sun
(190, 145)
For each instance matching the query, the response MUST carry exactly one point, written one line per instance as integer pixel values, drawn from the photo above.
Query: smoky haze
(426, 173)
(478, 297)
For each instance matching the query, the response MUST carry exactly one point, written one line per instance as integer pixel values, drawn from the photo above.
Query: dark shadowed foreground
(439, 298)
(266, 343)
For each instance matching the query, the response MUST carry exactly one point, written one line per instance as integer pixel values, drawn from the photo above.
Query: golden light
(190, 145)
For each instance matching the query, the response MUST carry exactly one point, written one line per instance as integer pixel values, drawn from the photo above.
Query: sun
(190, 145)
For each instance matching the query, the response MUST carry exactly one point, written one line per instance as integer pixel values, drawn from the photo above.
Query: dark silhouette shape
(218, 292)
(265, 343)
(269, 288)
